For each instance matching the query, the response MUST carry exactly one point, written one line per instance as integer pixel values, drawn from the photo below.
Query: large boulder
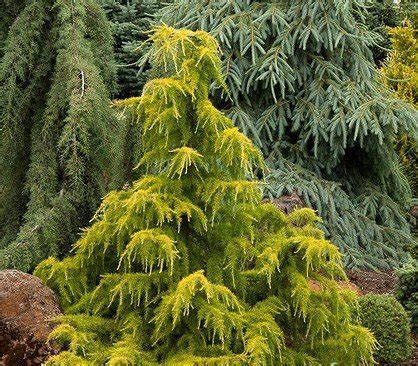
(26, 310)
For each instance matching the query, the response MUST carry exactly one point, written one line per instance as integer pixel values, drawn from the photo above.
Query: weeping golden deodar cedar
(187, 267)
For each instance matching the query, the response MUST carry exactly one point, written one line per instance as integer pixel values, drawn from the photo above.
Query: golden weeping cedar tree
(187, 266)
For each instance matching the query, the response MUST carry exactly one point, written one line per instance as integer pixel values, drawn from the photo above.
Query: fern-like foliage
(303, 86)
(187, 267)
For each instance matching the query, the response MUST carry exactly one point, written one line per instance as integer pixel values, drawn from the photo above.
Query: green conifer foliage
(9, 9)
(401, 74)
(401, 68)
(59, 150)
(304, 88)
(410, 9)
(382, 14)
(187, 267)
(130, 20)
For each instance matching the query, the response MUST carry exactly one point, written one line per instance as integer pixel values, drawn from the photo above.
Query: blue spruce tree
(303, 85)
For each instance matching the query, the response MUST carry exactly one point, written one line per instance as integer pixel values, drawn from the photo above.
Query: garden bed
(376, 282)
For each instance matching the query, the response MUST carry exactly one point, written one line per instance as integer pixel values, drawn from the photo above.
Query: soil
(376, 282)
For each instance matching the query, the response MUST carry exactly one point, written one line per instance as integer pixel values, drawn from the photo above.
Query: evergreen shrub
(187, 267)
(407, 288)
(389, 323)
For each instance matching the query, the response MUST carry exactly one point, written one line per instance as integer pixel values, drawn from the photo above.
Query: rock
(287, 204)
(26, 309)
